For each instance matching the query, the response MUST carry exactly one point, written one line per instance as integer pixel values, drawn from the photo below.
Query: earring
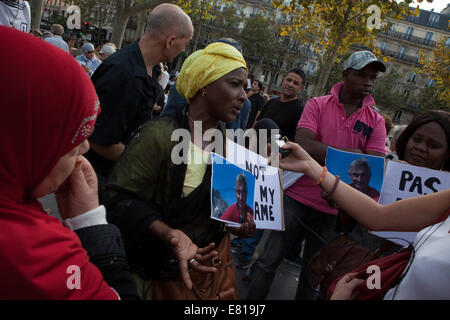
(203, 93)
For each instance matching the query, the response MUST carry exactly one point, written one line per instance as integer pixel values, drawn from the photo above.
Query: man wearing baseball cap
(344, 120)
(87, 59)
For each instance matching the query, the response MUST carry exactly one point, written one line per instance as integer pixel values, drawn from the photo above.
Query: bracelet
(324, 173)
(327, 195)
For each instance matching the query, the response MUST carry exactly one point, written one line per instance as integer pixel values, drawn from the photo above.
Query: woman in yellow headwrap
(162, 204)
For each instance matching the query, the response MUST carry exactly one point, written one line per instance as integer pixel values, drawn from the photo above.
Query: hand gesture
(298, 159)
(188, 254)
(247, 228)
(79, 193)
(347, 288)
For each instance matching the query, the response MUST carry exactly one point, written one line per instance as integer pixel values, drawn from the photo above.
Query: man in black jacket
(126, 84)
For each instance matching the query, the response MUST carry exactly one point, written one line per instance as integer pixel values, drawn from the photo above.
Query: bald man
(126, 84)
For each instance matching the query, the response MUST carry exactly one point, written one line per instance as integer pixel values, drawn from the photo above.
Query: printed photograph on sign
(361, 171)
(232, 192)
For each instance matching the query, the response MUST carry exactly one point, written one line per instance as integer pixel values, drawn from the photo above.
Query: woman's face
(61, 171)
(226, 95)
(427, 147)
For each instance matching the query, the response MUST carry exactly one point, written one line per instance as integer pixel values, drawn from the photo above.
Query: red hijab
(49, 106)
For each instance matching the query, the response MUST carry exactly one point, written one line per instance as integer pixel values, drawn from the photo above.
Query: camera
(281, 141)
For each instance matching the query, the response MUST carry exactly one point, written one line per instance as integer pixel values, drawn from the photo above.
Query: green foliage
(384, 93)
(429, 99)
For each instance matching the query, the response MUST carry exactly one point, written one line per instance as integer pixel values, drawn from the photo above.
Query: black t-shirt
(257, 101)
(285, 114)
(127, 95)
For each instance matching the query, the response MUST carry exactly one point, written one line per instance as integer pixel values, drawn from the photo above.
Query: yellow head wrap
(206, 66)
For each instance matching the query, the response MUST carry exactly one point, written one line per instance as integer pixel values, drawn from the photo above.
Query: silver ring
(190, 261)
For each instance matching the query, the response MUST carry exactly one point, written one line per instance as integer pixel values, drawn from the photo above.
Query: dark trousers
(279, 243)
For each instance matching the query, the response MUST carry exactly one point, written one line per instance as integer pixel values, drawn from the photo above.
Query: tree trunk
(270, 81)
(199, 29)
(141, 22)
(331, 56)
(36, 13)
(120, 24)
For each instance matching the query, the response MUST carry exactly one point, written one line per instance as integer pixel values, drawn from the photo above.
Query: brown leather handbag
(340, 256)
(206, 286)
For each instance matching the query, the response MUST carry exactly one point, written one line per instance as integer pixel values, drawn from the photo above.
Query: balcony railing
(410, 38)
(397, 55)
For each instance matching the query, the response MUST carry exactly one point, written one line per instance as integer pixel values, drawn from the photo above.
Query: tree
(126, 9)
(200, 11)
(258, 41)
(226, 23)
(335, 25)
(37, 7)
(97, 12)
(436, 67)
(429, 99)
(384, 93)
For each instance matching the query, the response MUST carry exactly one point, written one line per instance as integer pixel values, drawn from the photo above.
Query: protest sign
(268, 204)
(232, 194)
(402, 181)
(361, 171)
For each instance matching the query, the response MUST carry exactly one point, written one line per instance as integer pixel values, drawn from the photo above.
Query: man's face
(90, 55)
(255, 85)
(360, 178)
(292, 85)
(241, 194)
(361, 82)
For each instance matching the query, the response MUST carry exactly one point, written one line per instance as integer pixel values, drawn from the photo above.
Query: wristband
(324, 173)
(327, 195)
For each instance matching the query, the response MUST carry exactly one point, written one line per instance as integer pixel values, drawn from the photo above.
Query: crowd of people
(136, 224)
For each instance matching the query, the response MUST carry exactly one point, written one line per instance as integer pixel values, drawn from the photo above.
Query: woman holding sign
(161, 201)
(423, 272)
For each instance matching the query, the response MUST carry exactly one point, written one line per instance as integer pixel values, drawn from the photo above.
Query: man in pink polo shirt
(344, 120)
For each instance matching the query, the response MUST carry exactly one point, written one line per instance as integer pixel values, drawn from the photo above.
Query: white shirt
(428, 277)
(16, 13)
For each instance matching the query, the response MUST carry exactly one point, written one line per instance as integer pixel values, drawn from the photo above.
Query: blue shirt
(91, 64)
(58, 42)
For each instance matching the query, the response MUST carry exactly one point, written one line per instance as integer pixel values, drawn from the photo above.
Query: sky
(437, 5)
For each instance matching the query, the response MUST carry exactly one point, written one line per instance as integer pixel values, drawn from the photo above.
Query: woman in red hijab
(49, 108)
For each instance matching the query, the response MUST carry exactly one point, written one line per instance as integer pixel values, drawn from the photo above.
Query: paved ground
(283, 287)
(284, 284)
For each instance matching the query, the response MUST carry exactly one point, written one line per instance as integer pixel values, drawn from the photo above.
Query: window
(397, 116)
(430, 82)
(311, 67)
(406, 93)
(428, 38)
(384, 45)
(434, 20)
(409, 33)
(447, 43)
(275, 78)
(412, 77)
(391, 29)
(401, 53)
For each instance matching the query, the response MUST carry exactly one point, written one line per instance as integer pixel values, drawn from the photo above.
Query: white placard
(268, 205)
(402, 181)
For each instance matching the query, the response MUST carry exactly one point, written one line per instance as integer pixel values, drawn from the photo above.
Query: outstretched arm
(411, 214)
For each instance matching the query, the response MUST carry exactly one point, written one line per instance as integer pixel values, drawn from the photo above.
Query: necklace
(11, 22)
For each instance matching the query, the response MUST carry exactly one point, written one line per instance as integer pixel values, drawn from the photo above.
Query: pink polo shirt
(325, 116)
